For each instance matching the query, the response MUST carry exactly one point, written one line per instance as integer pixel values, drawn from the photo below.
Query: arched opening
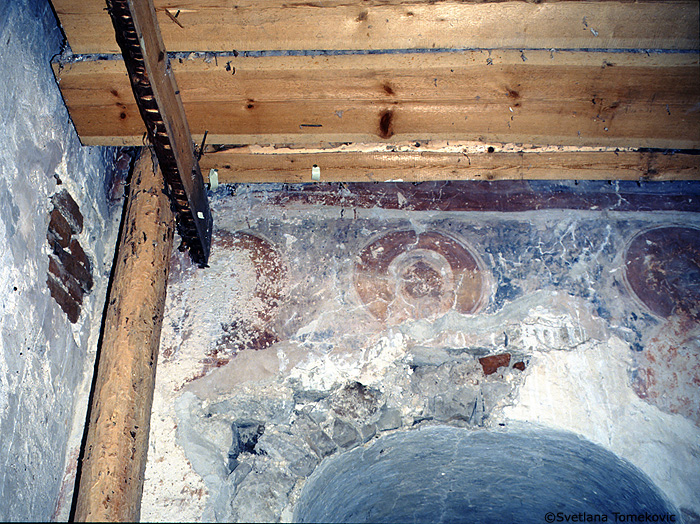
(520, 474)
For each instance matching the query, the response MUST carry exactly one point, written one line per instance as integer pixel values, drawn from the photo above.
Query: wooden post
(114, 457)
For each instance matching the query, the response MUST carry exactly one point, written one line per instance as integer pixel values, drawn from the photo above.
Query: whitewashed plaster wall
(45, 361)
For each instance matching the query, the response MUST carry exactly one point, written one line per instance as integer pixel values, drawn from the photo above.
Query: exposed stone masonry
(277, 442)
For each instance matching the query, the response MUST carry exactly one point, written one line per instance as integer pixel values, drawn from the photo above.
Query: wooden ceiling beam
(247, 25)
(598, 73)
(537, 97)
(426, 162)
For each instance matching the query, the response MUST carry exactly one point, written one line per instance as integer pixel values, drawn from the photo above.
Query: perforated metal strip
(196, 239)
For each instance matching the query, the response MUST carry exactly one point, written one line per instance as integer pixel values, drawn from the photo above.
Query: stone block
(494, 392)
(367, 432)
(454, 405)
(315, 437)
(262, 495)
(428, 356)
(389, 419)
(291, 449)
(355, 401)
(345, 434)
(239, 474)
(318, 414)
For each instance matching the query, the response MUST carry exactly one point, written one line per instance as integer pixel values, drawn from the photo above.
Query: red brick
(493, 362)
(69, 209)
(77, 251)
(59, 229)
(71, 264)
(69, 306)
(68, 281)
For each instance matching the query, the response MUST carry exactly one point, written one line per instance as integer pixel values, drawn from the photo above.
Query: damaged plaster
(319, 329)
(45, 359)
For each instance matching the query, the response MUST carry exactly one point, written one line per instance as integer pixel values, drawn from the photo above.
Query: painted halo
(662, 269)
(407, 275)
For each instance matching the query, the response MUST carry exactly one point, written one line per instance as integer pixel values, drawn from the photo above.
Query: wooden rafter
(158, 104)
(419, 162)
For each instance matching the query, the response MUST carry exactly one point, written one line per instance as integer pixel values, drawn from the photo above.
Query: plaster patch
(588, 391)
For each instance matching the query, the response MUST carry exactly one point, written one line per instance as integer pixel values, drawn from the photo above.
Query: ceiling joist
(421, 162)
(539, 97)
(581, 74)
(247, 25)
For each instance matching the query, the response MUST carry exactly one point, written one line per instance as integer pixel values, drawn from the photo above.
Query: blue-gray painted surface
(519, 474)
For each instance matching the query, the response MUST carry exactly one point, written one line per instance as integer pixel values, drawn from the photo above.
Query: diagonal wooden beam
(159, 104)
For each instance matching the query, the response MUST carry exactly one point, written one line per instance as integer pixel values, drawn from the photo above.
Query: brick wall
(70, 272)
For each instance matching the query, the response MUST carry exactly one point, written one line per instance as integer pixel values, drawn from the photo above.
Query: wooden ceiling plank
(557, 98)
(249, 25)
(241, 165)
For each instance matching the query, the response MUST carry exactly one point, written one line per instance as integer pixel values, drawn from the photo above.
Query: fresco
(332, 315)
